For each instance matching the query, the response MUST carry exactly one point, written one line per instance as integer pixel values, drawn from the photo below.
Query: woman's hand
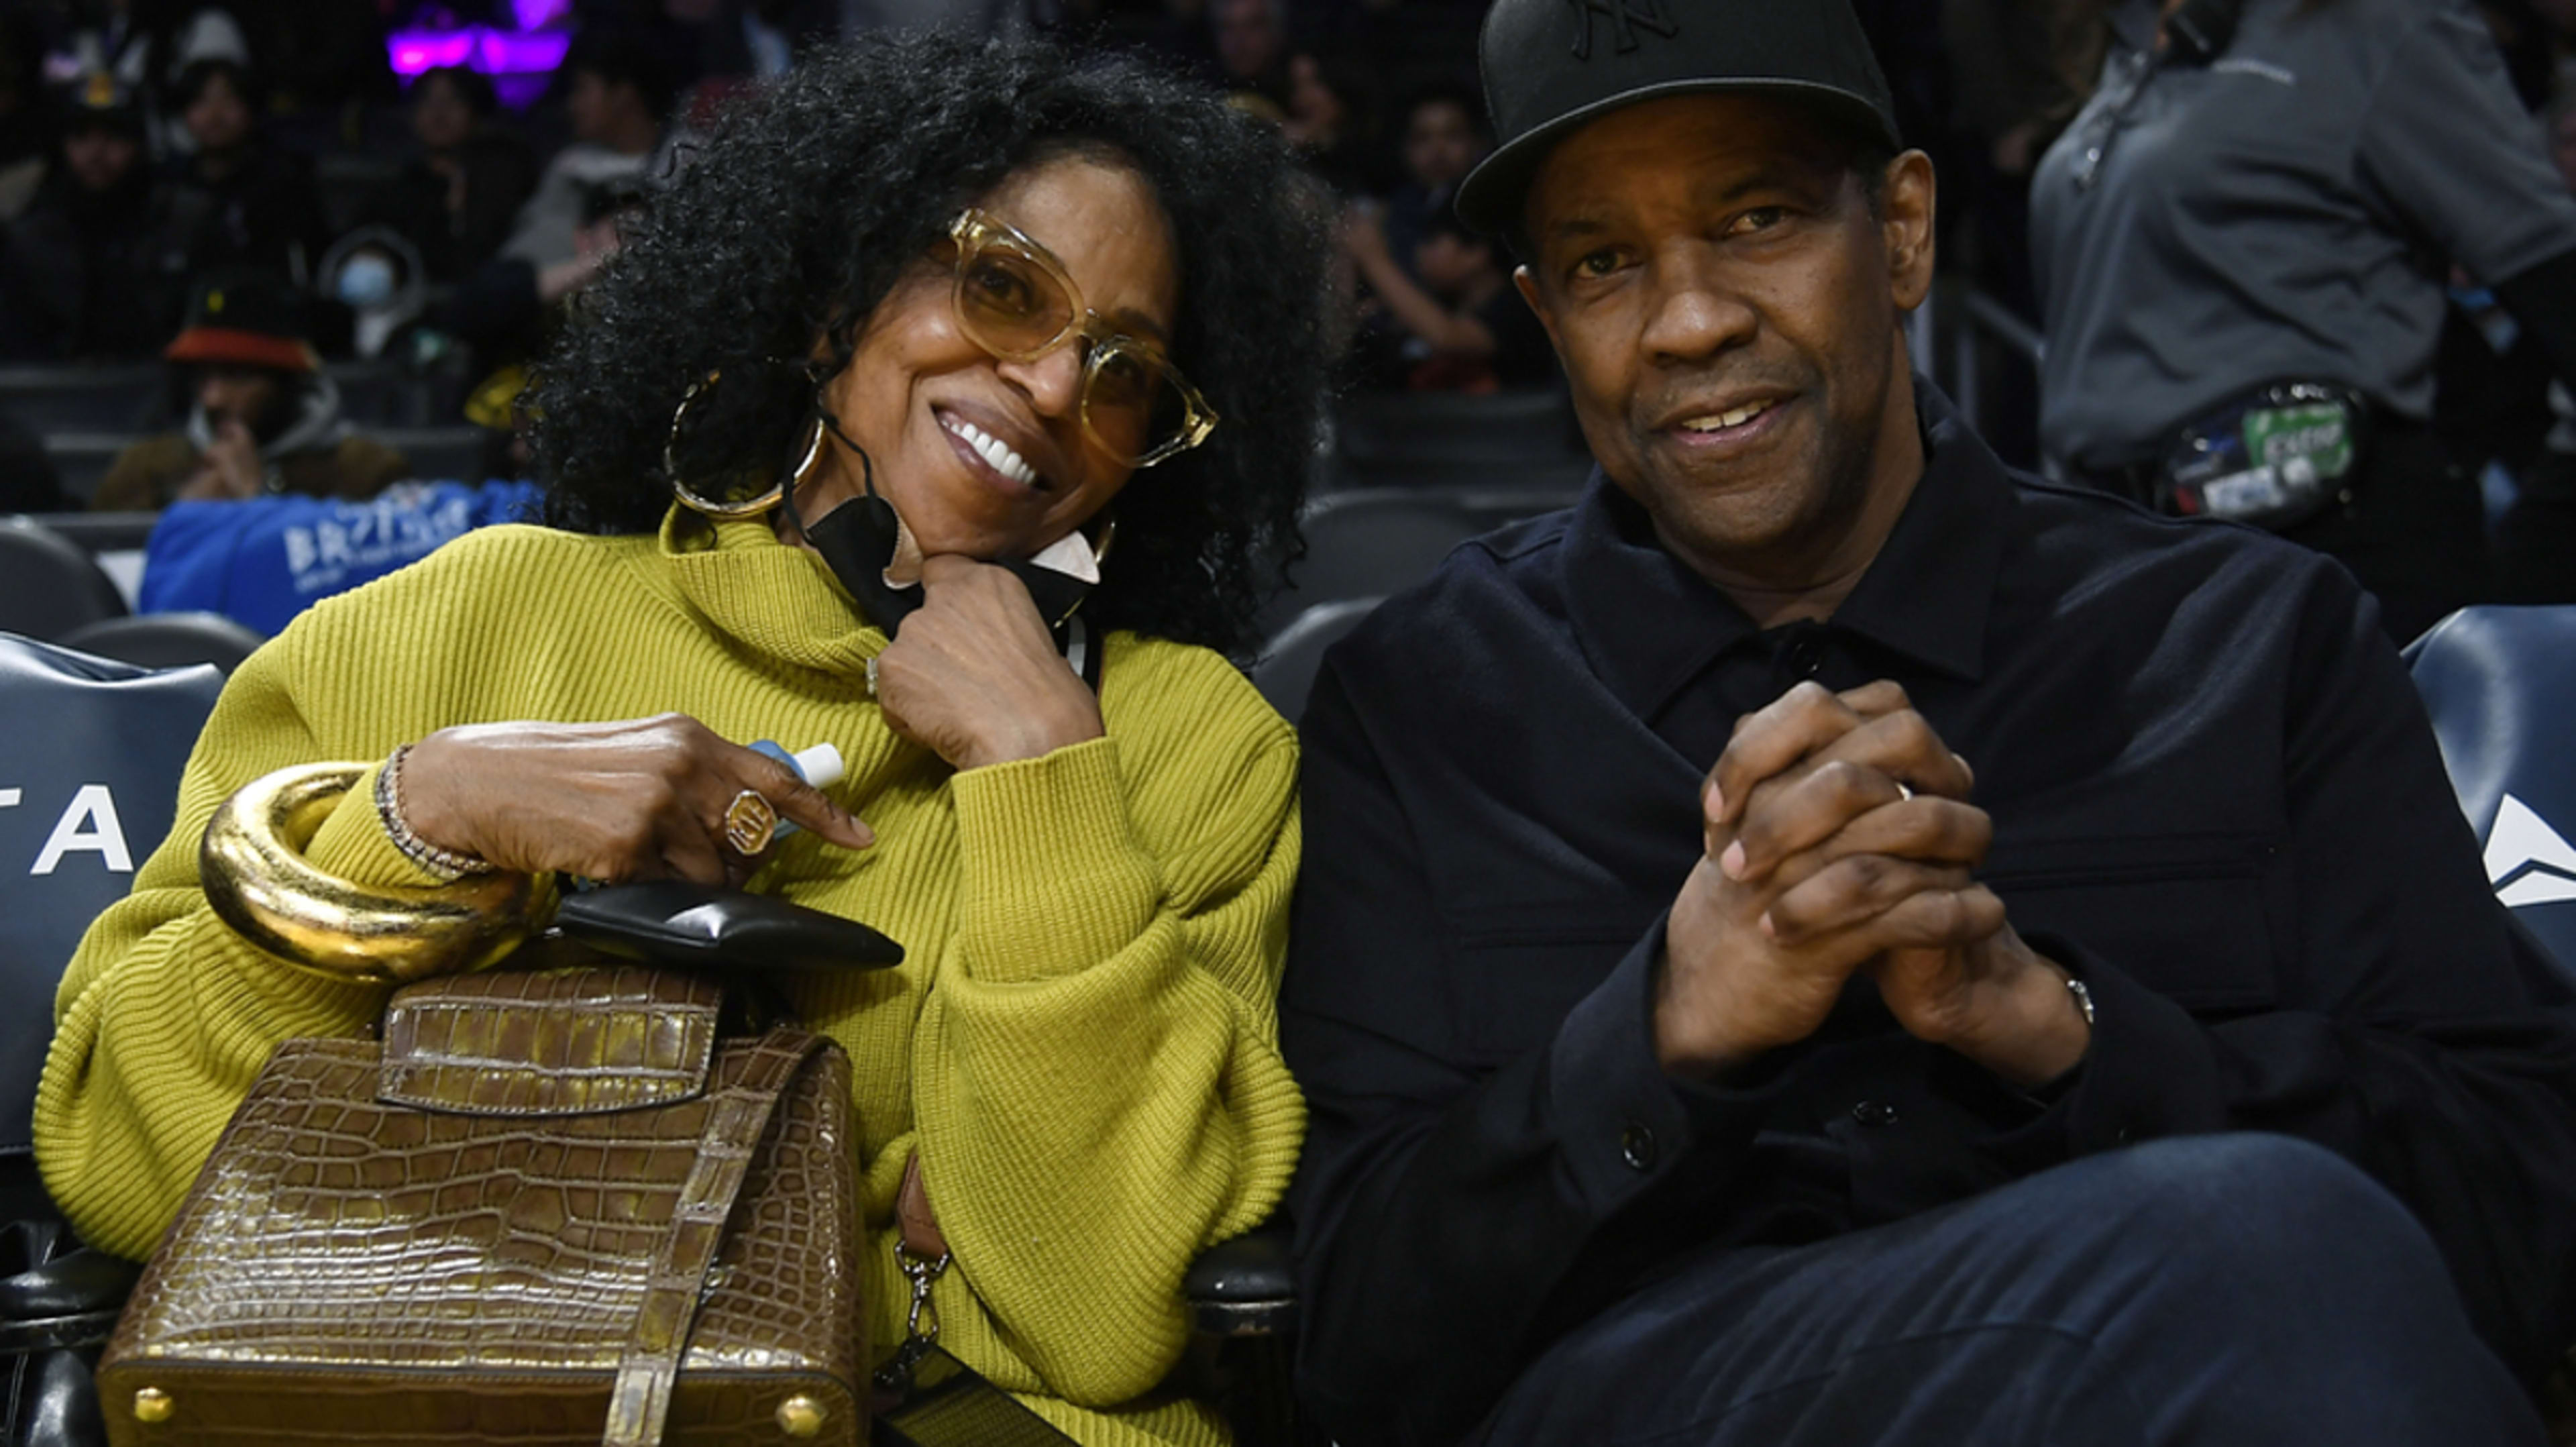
(638, 799)
(974, 676)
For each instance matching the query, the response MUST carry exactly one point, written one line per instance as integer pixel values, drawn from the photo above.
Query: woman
(956, 278)
(457, 196)
(2268, 194)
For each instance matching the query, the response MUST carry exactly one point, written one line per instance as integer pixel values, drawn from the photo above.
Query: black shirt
(2215, 798)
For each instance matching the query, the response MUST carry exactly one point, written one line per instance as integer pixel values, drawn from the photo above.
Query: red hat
(247, 320)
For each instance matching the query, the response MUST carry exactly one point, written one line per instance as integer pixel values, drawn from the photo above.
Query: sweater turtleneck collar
(780, 602)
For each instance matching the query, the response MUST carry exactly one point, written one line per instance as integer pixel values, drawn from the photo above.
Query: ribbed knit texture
(1080, 1044)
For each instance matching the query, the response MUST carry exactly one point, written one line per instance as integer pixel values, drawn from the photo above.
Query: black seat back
(1286, 671)
(48, 586)
(89, 783)
(168, 640)
(2500, 684)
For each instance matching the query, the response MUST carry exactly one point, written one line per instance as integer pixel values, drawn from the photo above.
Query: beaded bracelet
(448, 865)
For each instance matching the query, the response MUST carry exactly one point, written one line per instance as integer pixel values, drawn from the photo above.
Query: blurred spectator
(95, 270)
(507, 311)
(1327, 121)
(619, 90)
(458, 197)
(1462, 326)
(1251, 40)
(318, 54)
(26, 132)
(1444, 138)
(266, 419)
(2020, 69)
(378, 277)
(254, 201)
(741, 43)
(145, 44)
(28, 482)
(2284, 205)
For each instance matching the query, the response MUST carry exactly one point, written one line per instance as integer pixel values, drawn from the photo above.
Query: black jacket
(2215, 799)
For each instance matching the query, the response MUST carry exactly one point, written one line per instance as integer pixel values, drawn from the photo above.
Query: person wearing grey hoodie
(264, 419)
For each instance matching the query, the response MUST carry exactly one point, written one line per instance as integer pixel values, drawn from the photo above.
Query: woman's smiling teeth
(993, 450)
(1734, 417)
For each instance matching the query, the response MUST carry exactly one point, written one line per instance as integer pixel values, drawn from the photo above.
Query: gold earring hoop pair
(726, 508)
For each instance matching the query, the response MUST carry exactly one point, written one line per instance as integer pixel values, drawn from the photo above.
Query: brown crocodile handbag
(552, 1207)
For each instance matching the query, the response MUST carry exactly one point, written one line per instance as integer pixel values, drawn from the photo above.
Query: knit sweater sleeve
(1097, 1089)
(165, 1015)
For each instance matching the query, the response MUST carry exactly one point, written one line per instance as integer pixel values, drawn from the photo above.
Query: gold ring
(749, 821)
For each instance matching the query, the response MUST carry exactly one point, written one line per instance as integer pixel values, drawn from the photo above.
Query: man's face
(1729, 310)
(253, 396)
(591, 105)
(441, 118)
(1247, 38)
(219, 118)
(1440, 144)
(99, 158)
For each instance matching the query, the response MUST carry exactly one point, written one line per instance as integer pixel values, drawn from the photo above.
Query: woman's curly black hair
(806, 204)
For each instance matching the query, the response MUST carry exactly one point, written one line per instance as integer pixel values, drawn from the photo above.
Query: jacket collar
(1649, 624)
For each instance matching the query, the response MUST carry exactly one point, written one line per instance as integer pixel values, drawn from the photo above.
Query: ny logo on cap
(1627, 17)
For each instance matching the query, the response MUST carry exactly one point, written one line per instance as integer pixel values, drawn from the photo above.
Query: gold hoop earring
(1108, 540)
(726, 510)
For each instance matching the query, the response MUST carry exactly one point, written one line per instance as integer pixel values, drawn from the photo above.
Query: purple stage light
(503, 55)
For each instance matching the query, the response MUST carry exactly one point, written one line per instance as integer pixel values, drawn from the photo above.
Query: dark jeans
(2222, 1290)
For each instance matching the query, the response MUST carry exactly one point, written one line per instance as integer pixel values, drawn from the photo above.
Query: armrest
(1244, 1287)
(61, 1294)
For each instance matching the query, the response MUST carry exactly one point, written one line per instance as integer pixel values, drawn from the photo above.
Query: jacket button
(1874, 1112)
(1637, 1147)
(1803, 655)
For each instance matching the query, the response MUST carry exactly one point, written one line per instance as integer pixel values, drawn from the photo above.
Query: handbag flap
(550, 1042)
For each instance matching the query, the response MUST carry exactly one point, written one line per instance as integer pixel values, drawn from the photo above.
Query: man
(93, 270)
(266, 419)
(1444, 138)
(1451, 320)
(1826, 942)
(619, 93)
(252, 203)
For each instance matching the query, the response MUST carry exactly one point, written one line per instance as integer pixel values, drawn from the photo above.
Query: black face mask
(858, 540)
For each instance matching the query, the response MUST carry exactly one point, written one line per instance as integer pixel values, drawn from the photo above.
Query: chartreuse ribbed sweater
(1080, 1044)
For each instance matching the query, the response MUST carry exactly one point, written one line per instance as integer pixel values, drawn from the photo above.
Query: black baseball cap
(246, 319)
(1553, 66)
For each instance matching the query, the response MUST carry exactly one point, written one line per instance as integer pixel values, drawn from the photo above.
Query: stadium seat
(54, 400)
(48, 585)
(2500, 685)
(1285, 673)
(1367, 545)
(1460, 426)
(88, 786)
(168, 640)
(81, 459)
(1382, 540)
(437, 454)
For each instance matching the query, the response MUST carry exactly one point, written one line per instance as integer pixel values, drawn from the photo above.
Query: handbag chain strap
(921, 1254)
(640, 1399)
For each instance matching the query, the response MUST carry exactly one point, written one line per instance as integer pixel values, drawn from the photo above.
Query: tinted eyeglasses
(1014, 300)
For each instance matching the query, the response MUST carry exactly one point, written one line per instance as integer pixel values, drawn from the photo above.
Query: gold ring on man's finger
(749, 822)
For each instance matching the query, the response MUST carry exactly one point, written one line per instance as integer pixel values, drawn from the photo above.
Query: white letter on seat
(90, 823)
